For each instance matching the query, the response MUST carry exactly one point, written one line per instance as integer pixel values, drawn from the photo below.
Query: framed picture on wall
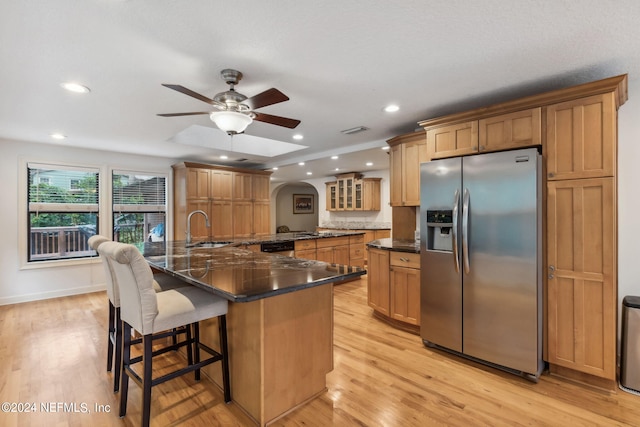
(303, 203)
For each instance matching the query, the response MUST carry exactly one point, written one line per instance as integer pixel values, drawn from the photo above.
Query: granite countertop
(351, 225)
(239, 275)
(299, 235)
(398, 245)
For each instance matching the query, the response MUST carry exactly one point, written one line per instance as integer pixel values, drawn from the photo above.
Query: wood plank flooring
(52, 354)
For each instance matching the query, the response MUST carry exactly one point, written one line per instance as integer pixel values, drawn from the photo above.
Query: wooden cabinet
(305, 249)
(394, 285)
(404, 287)
(237, 201)
(351, 192)
(581, 138)
(356, 250)
(333, 250)
(581, 259)
(378, 280)
(452, 140)
(512, 130)
(406, 154)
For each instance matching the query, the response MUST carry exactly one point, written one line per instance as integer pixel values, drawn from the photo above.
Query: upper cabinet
(512, 130)
(452, 140)
(237, 201)
(351, 192)
(406, 154)
(581, 137)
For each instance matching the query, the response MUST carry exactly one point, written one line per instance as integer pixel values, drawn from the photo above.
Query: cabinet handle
(404, 259)
(552, 268)
(551, 174)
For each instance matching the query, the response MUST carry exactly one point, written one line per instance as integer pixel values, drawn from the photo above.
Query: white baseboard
(51, 294)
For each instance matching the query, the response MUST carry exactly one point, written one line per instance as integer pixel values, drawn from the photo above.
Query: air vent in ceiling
(354, 130)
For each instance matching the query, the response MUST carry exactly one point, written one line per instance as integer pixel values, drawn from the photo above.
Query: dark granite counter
(396, 245)
(240, 275)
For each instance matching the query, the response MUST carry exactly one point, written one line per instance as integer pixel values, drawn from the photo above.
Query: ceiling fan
(234, 111)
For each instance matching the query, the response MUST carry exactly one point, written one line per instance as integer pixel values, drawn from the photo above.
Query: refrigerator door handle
(465, 230)
(454, 231)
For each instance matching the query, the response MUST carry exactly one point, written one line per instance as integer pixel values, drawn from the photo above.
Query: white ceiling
(339, 61)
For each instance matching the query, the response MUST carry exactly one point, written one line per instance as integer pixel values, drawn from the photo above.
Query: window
(139, 207)
(61, 219)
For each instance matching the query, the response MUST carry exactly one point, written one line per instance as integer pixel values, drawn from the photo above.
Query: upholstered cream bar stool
(149, 312)
(162, 282)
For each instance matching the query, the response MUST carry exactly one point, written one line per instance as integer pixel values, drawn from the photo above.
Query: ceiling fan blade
(184, 114)
(276, 120)
(268, 97)
(193, 94)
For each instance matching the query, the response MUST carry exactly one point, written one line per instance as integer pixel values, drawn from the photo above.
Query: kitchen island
(279, 324)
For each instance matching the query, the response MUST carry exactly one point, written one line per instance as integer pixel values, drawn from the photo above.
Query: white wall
(20, 283)
(284, 208)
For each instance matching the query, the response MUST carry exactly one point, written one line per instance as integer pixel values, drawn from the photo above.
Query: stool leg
(111, 329)
(189, 346)
(222, 328)
(118, 339)
(126, 359)
(196, 348)
(147, 357)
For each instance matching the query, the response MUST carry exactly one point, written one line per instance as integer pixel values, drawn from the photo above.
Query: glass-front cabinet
(352, 192)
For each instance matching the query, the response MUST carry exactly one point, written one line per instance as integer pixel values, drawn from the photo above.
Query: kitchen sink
(216, 244)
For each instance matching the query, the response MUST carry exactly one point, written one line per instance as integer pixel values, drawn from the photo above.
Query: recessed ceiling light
(334, 157)
(369, 164)
(223, 157)
(309, 173)
(301, 164)
(386, 147)
(391, 108)
(275, 168)
(57, 136)
(337, 169)
(297, 136)
(75, 87)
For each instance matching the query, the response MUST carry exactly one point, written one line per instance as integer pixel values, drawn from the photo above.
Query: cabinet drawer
(332, 241)
(301, 245)
(356, 239)
(405, 259)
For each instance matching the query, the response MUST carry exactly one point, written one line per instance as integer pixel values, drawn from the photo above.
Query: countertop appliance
(280, 247)
(481, 261)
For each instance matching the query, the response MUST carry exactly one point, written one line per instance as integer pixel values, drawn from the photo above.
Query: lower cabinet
(394, 285)
(305, 249)
(404, 287)
(334, 250)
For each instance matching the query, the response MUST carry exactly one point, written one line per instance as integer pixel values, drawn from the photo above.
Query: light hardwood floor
(54, 351)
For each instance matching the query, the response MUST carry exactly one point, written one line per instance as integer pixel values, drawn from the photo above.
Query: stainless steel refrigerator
(481, 266)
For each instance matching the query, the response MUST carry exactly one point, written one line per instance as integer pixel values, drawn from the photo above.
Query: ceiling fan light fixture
(231, 122)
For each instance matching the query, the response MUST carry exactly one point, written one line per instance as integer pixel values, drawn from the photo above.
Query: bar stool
(162, 282)
(148, 312)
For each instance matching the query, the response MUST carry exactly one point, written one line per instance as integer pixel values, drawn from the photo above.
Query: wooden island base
(280, 350)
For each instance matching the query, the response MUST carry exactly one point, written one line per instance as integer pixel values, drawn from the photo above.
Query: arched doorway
(298, 217)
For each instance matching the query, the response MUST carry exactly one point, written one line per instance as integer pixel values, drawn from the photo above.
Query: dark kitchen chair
(162, 282)
(149, 312)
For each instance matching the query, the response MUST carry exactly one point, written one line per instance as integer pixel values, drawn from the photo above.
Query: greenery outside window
(63, 211)
(139, 207)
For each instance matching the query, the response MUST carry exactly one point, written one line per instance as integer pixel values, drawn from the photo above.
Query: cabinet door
(453, 140)
(198, 184)
(378, 280)
(306, 254)
(261, 216)
(331, 196)
(341, 254)
(260, 188)
(395, 175)
(221, 219)
(371, 194)
(581, 137)
(581, 283)
(358, 189)
(412, 154)
(199, 229)
(325, 254)
(341, 194)
(242, 218)
(405, 294)
(348, 188)
(242, 186)
(221, 184)
(513, 130)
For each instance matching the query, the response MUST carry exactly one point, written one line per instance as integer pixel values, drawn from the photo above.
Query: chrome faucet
(206, 219)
